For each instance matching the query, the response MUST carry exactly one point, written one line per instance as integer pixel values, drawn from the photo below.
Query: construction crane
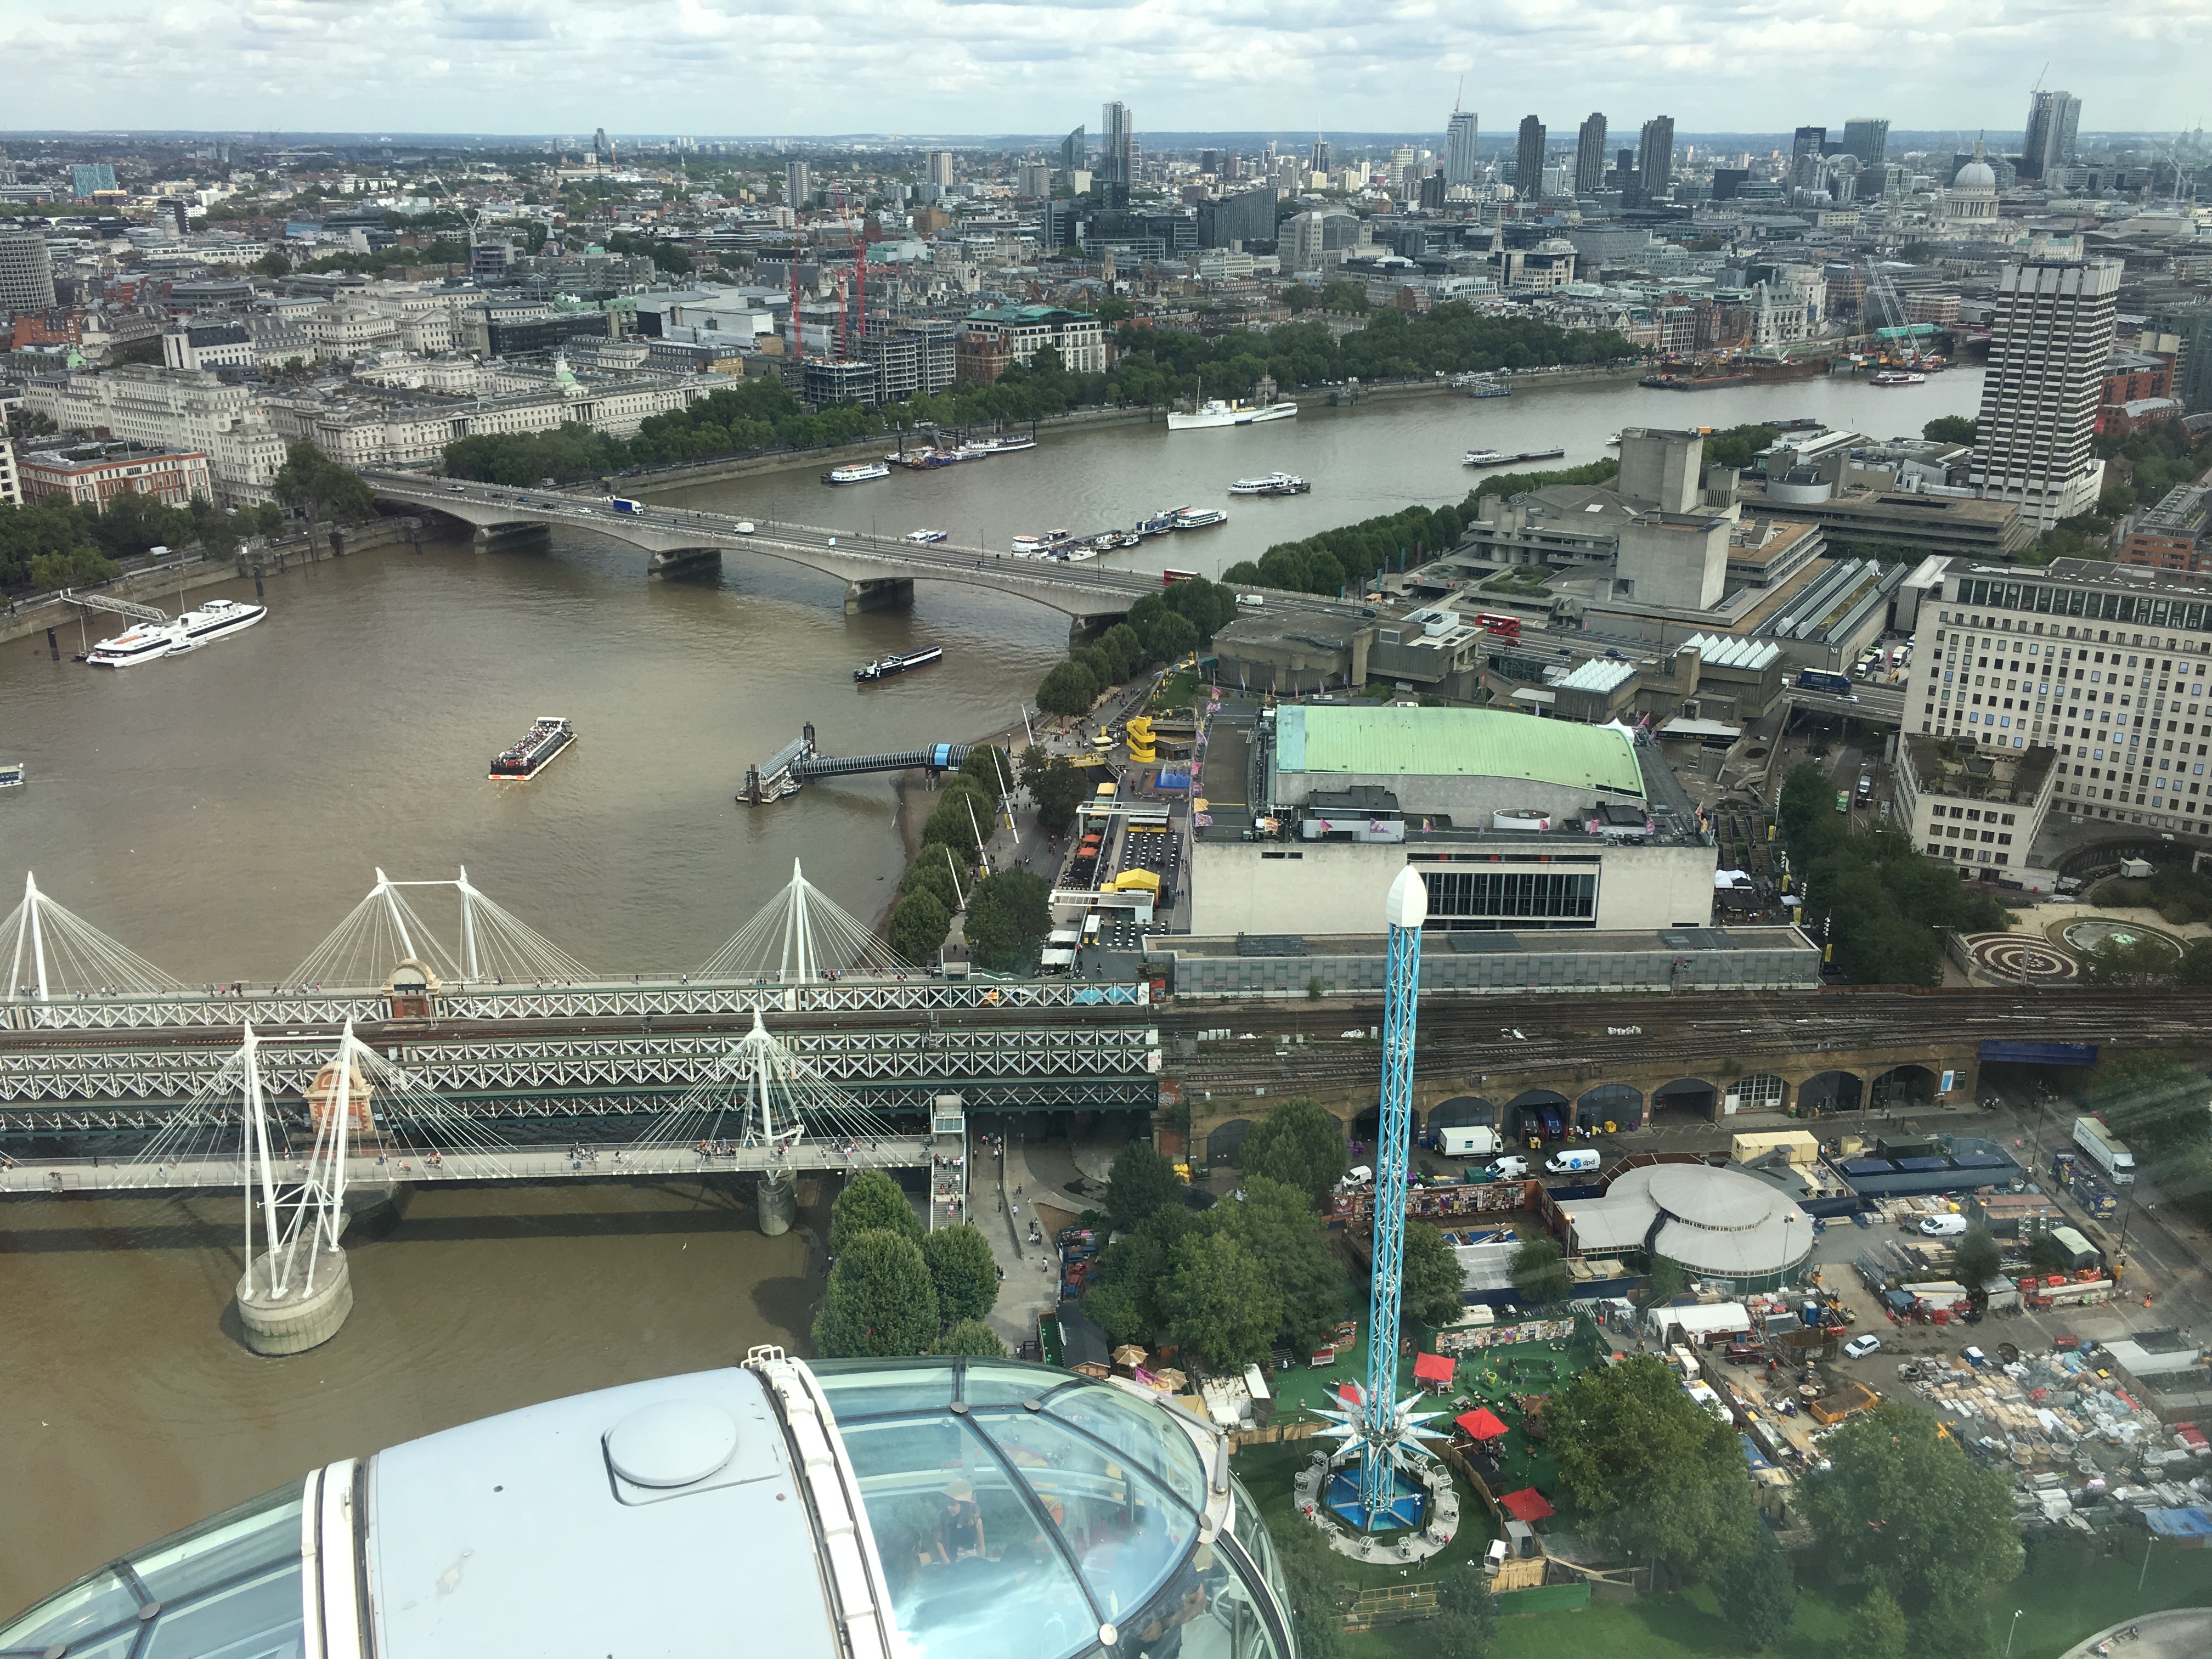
(1880, 287)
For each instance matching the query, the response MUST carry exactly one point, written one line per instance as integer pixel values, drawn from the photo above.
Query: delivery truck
(2107, 1150)
(1467, 1142)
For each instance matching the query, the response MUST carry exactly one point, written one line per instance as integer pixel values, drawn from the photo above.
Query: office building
(1655, 161)
(1306, 239)
(1019, 331)
(937, 168)
(1461, 166)
(2109, 666)
(93, 474)
(2051, 339)
(1074, 152)
(1117, 153)
(602, 148)
(1590, 154)
(797, 185)
(1032, 179)
(1240, 219)
(215, 343)
(27, 273)
(1320, 160)
(172, 409)
(1805, 150)
(88, 178)
(2053, 118)
(1528, 160)
(1868, 139)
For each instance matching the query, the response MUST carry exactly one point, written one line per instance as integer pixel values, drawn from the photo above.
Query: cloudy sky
(797, 67)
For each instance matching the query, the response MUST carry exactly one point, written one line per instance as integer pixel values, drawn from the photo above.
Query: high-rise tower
(2049, 340)
(1590, 154)
(1528, 160)
(1461, 166)
(1655, 160)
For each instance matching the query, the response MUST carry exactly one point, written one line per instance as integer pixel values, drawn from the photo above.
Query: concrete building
(1675, 560)
(1660, 468)
(27, 273)
(212, 343)
(93, 475)
(172, 409)
(1868, 139)
(1528, 160)
(2050, 340)
(1462, 165)
(1589, 155)
(2048, 141)
(2108, 664)
(797, 184)
(1305, 240)
(937, 168)
(11, 484)
(1240, 219)
(359, 428)
(1655, 161)
(1515, 824)
(1020, 330)
(1960, 804)
(2173, 535)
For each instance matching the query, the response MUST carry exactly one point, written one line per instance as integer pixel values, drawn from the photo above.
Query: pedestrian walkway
(1028, 1284)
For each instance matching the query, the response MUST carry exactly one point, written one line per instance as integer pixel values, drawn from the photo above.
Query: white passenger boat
(142, 642)
(213, 621)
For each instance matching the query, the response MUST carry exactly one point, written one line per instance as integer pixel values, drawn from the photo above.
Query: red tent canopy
(1527, 1504)
(1481, 1423)
(1348, 1393)
(1432, 1368)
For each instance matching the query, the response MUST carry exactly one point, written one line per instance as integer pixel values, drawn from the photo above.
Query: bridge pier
(881, 593)
(1082, 630)
(510, 538)
(309, 1314)
(683, 561)
(775, 1200)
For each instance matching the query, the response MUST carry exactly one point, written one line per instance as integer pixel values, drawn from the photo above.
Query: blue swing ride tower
(1378, 1430)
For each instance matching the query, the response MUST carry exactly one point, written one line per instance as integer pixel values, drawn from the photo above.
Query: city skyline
(507, 64)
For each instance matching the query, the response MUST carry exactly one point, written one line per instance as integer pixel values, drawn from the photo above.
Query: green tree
(1876, 1629)
(879, 1302)
(990, 768)
(960, 1268)
(1057, 787)
(871, 1202)
(1313, 1573)
(918, 924)
(1541, 1275)
(1297, 1143)
(1899, 1504)
(1656, 1475)
(930, 873)
(971, 1337)
(1431, 1282)
(1668, 1279)
(2143, 963)
(1279, 1225)
(1119, 1313)
(961, 815)
(1009, 916)
(1219, 1302)
(312, 481)
(1758, 1594)
(1949, 429)
(1975, 1262)
(1140, 1181)
(1066, 689)
(1466, 1593)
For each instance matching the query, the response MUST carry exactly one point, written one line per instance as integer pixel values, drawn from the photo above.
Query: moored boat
(897, 663)
(856, 472)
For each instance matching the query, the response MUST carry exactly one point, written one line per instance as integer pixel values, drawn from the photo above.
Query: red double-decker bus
(1170, 577)
(1504, 627)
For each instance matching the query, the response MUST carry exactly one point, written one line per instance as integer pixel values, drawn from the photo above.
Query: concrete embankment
(162, 586)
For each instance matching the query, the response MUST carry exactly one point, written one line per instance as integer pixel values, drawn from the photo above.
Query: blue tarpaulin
(2192, 1523)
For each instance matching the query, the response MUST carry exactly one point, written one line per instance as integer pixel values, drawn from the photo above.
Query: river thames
(223, 811)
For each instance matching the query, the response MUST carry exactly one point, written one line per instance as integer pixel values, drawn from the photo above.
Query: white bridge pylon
(764, 1098)
(803, 936)
(54, 954)
(384, 930)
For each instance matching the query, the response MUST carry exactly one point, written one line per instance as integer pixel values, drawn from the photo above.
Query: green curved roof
(1455, 743)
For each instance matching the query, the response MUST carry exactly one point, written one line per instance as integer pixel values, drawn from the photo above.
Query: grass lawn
(1176, 692)
(2074, 1589)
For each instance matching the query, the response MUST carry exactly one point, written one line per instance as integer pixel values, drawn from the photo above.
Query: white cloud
(794, 67)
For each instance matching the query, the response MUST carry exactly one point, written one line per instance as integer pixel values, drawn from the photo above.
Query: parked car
(1860, 1346)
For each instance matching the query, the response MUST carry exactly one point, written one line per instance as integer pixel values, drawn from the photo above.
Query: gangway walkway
(129, 608)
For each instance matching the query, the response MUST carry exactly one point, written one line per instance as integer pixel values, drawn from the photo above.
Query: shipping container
(1804, 1146)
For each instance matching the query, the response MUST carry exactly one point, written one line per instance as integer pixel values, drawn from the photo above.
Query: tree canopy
(1899, 1504)
(1654, 1473)
(972, 1337)
(1297, 1143)
(312, 481)
(1276, 1223)
(1220, 1303)
(1759, 1594)
(1431, 1279)
(871, 1201)
(1140, 1181)
(880, 1302)
(1009, 916)
(1540, 1274)
(961, 1271)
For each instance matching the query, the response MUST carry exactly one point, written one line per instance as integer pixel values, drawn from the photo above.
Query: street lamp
(2010, 1628)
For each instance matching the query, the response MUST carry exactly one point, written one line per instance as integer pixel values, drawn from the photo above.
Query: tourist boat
(548, 736)
(1899, 377)
(899, 663)
(142, 642)
(1004, 445)
(1204, 518)
(1214, 412)
(1271, 484)
(856, 472)
(212, 622)
(1161, 523)
(11, 774)
(926, 537)
(1030, 547)
(1613, 442)
(1485, 457)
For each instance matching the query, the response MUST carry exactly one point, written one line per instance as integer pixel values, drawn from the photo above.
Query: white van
(1943, 1226)
(1509, 1168)
(1575, 1160)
